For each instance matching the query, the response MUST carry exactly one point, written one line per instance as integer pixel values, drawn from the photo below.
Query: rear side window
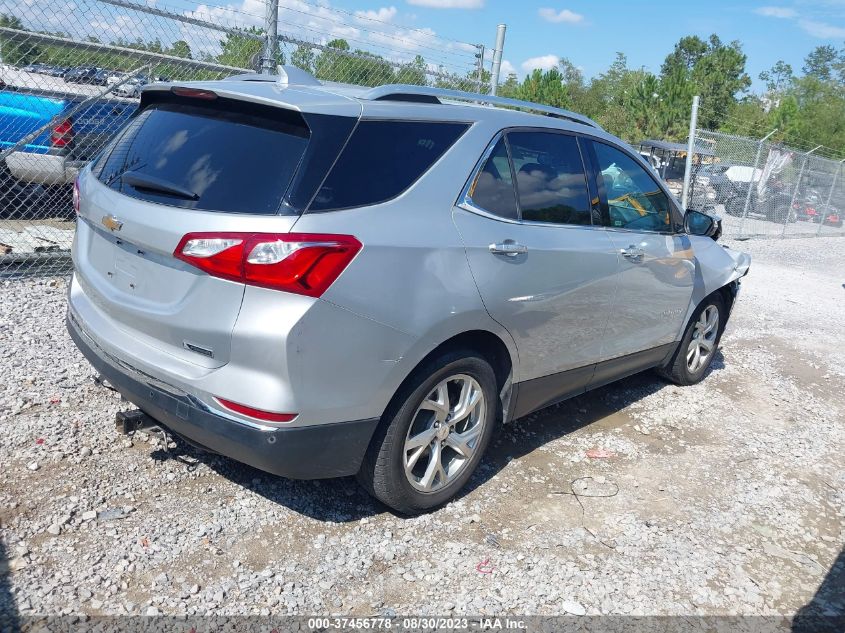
(493, 187)
(550, 178)
(382, 159)
(220, 157)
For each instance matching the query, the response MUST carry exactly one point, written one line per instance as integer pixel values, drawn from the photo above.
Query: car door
(544, 271)
(656, 264)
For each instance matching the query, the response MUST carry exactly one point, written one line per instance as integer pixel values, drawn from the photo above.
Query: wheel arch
(491, 346)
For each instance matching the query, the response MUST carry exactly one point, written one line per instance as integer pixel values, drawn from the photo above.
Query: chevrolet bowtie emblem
(111, 223)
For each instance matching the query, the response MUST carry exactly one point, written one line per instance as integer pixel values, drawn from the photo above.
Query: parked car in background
(833, 217)
(729, 186)
(814, 209)
(45, 166)
(34, 68)
(56, 71)
(372, 293)
(82, 75)
(132, 87)
(808, 206)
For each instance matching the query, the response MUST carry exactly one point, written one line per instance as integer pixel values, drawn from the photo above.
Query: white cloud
(448, 4)
(543, 62)
(384, 14)
(564, 15)
(822, 30)
(777, 12)
(506, 70)
(318, 22)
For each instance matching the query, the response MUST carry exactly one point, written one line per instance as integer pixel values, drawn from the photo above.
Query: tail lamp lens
(62, 134)
(302, 263)
(258, 414)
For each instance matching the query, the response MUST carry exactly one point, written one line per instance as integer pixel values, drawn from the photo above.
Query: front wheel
(699, 343)
(433, 434)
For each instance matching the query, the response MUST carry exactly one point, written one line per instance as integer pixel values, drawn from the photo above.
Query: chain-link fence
(71, 73)
(766, 189)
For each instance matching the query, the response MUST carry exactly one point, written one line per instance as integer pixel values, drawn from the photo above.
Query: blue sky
(590, 33)
(540, 32)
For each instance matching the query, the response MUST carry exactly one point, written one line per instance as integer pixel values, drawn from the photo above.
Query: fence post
(829, 196)
(497, 58)
(271, 38)
(796, 188)
(751, 181)
(693, 125)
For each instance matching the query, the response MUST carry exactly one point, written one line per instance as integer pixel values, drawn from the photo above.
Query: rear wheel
(433, 435)
(699, 344)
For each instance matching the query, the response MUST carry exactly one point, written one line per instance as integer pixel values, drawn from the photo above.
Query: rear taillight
(258, 414)
(76, 195)
(62, 134)
(302, 263)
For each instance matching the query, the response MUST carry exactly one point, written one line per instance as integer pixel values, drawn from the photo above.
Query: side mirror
(698, 223)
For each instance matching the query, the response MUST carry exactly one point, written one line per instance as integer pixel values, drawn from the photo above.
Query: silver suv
(323, 280)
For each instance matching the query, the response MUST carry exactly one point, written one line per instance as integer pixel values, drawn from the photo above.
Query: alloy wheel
(703, 342)
(444, 433)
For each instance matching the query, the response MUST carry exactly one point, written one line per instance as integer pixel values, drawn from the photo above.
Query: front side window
(634, 199)
(382, 159)
(550, 179)
(493, 187)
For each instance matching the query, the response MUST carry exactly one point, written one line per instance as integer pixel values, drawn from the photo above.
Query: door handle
(509, 248)
(632, 253)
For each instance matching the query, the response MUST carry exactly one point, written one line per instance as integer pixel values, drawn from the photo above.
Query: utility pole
(693, 126)
(270, 51)
(497, 58)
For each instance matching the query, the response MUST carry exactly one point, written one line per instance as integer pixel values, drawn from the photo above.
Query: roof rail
(425, 94)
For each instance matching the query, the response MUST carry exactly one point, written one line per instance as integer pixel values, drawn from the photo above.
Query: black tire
(678, 370)
(382, 472)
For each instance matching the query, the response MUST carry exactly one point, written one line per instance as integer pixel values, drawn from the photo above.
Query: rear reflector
(302, 263)
(258, 414)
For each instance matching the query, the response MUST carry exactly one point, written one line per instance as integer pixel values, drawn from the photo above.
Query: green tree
(544, 87)
(241, 50)
(778, 78)
(715, 70)
(413, 72)
(15, 52)
(304, 57)
(821, 63)
(180, 48)
(687, 53)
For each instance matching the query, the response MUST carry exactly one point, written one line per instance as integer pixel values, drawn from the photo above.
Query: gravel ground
(639, 498)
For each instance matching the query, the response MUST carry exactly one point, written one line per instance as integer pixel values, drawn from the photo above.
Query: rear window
(224, 157)
(382, 159)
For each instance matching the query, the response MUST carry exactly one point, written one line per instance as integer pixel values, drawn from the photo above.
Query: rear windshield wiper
(159, 185)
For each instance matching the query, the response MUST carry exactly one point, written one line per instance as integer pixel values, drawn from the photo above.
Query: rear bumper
(310, 452)
(42, 169)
